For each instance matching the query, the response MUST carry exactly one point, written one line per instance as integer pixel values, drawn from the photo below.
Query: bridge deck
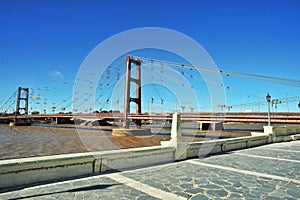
(255, 117)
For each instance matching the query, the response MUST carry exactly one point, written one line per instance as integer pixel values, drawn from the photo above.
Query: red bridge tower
(127, 98)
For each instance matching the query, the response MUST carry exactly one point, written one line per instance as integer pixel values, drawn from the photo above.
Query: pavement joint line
(247, 172)
(296, 151)
(267, 157)
(152, 191)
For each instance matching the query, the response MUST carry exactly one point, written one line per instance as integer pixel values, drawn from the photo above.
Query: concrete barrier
(290, 130)
(282, 133)
(136, 157)
(24, 171)
(297, 129)
(204, 148)
(30, 170)
(296, 137)
(279, 130)
(36, 169)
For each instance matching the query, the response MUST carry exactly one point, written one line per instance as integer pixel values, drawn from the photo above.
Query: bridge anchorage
(127, 99)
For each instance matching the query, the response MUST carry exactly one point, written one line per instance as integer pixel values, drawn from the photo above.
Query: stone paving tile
(274, 152)
(92, 188)
(197, 182)
(293, 145)
(274, 167)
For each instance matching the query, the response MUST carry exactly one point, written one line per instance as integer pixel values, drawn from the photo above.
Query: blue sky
(43, 43)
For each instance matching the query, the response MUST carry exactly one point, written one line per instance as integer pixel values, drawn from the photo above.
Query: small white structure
(176, 139)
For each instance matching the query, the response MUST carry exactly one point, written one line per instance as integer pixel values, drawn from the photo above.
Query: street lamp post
(268, 97)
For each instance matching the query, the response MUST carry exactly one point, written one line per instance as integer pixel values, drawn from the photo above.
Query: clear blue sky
(43, 43)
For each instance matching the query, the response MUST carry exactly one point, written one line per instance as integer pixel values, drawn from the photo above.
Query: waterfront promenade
(266, 172)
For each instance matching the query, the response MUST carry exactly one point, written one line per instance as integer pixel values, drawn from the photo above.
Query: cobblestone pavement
(266, 172)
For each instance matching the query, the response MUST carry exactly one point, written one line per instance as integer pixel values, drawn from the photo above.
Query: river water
(28, 141)
(43, 140)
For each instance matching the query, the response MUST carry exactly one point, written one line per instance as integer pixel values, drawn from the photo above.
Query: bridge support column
(20, 98)
(125, 131)
(127, 98)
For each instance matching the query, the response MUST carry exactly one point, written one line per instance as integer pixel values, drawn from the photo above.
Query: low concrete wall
(136, 157)
(29, 170)
(203, 148)
(36, 169)
(22, 171)
(285, 133)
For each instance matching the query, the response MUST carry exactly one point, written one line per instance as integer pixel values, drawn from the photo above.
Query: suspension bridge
(154, 98)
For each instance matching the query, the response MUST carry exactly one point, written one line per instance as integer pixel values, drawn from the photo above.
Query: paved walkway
(266, 172)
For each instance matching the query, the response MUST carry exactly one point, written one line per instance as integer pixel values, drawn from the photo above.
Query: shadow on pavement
(88, 188)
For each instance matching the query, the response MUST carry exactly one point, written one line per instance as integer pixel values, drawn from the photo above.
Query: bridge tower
(127, 98)
(22, 96)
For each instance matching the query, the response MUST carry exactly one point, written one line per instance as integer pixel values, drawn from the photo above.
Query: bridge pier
(60, 120)
(209, 125)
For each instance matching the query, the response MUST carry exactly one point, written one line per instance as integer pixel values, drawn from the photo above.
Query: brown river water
(28, 141)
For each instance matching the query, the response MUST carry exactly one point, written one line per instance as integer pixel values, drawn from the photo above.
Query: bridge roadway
(254, 117)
